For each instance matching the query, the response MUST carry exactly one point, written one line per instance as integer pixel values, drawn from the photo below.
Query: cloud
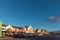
(54, 19)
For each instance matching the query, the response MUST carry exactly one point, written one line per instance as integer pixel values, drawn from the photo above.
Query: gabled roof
(26, 26)
(15, 26)
(4, 25)
(20, 27)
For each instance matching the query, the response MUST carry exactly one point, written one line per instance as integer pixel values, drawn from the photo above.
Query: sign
(0, 29)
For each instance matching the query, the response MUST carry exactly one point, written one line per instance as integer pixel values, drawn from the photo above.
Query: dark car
(18, 36)
(28, 35)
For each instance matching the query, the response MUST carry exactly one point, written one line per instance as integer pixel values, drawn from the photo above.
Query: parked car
(18, 36)
(26, 35)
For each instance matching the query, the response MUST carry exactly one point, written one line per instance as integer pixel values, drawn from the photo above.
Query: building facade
(29, 29)
(15, 30)
(42, 32)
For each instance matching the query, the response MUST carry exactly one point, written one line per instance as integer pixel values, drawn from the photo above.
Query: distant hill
(58, 31)
(55, 32)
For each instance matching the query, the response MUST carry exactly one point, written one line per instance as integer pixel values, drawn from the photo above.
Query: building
(14, 29)
(8, 29)
(25, 29)
(41, 32)
(29, 29)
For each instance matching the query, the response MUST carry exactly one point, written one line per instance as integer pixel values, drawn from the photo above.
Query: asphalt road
(36, 38)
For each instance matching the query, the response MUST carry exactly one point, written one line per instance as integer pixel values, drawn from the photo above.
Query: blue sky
(30, 12)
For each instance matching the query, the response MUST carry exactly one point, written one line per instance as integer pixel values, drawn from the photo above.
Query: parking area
(11, 38)
(15, 39)
(32, 38)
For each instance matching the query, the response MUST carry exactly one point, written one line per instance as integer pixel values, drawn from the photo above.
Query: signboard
(0, 29)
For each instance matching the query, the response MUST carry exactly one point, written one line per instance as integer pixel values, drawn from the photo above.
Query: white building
(29, 29)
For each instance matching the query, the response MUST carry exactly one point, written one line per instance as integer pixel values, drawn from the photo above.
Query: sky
(31, 12)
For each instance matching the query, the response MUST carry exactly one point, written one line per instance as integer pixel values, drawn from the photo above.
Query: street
(36, 38)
